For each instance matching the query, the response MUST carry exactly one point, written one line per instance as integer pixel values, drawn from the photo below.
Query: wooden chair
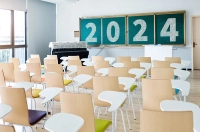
(155, 91)
(73, 58)
(54, 68)
(97, 58)
(8, 69)
(173, 59)
(34, 60)
(101, 64)
(49, 61)
(162, 73)
(54, 80)
(16, 63)
(157, 121)
(74, 62)
(122, 59)
(161, 64)
(84, 109)
(132, 64)
(35, 56)
(7, 128)
(20, 115)
(89, 70)
(2, 79)
(144, 59)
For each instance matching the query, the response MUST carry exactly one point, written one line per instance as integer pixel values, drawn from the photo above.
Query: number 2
(138, 36)
(91, 35)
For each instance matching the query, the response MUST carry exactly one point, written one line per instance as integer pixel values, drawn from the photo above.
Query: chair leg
(115, 119)
(31, 128)
(106, 111)
(128, 119)
(137, 94)
(123, 119)
(131, 101)
(99, 108)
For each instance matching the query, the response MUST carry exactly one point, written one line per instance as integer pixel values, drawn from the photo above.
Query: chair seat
(35, 116)
(66, 82)
(101, 125)
(36, 93)
(133, 87)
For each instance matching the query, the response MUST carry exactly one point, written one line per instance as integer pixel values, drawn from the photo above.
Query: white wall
(68, 19)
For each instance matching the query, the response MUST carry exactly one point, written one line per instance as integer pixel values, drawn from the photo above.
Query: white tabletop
(172, 105)
(147, 66)
(81, 79)
(32, 74)
(4, 110)
(85, 59)
(49, 93)
(64, 58)
(22, 67)
(25, 85)
(114, 98)
(184, 86)
(104, 71)
(127, 81)
(88, 63)
(137, 71)
(118, 65)
(64, 122)
(177, 65)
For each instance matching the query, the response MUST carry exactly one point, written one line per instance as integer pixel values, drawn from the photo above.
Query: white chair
(186, 63)
(183, 86)
(183, 75)
(110, 59)
(177, 66)
(172, 105)
(103, 71)
(64, 122)
(118, 65)
(147, 66)
(88, 63)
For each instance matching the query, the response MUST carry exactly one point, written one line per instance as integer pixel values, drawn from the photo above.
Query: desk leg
(52, 106)
(184, 98)
(113, 121)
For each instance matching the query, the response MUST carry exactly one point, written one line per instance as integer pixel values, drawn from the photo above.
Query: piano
(69, 49)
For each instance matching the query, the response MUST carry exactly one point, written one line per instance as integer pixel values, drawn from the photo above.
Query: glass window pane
(20, 53)
(5, 27)
(19, 21)
(5, 54)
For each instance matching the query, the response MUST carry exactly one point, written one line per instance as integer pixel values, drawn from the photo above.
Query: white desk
(118, 65)
(4, 110)
(172, 105)
(85, 59)
(25, 85)
(104, 71)
(64, 122)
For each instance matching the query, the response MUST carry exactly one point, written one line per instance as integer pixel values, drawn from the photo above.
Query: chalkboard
(114, 30)
(170, 29)
(90, 31)
(141, 29)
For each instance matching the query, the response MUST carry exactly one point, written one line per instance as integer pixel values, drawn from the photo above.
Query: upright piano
(69, 49)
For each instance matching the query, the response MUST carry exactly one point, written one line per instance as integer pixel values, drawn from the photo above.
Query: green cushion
(133, 87)
(101, 125)
(143, 76)
(36, 93)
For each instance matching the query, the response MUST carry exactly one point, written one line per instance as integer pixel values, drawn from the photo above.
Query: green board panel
(170, 29)
(114, 30)
(141, 29)
(90, 31)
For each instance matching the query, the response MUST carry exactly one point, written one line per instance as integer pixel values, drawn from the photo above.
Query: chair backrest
(81, 105)
(89, 70)
(35, 68)
(158, 121)
(155, 91)
(16, 63)
(16, 98)
(35, 56)
(49, 61)
(22, 76)
(101, 84)
(173, 59)
(2, 79)
(7, 128)
(8, 70)
(132, 64)
(53, 79)
(34, 60)
(122, 59)
(162, 73)
(144, 59)
(54, 68)
(97, 58)
(74, 62)
(101, 64)
(161, 64)
(73, 58)
(52, 56)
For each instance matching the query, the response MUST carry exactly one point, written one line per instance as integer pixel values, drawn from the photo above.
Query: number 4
(171, 22)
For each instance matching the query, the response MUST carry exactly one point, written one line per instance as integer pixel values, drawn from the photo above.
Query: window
(12, 35)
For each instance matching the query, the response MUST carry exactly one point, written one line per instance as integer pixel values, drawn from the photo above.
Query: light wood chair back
(81, 105)
(89, 70)
(35, 56)
(73, 58)
(16, 98)
(97, 58)
(132, 64)
(173, 59)
(54, 68)
(22, 76)
(155, 91)
(53, 79)
(101, 64)
(8, 70)
(161, 64)
(34, 60)
(16, 63)
(35, 68)
(52, 56)
(157, 121)
(122, 59)
(74, 62)
(101, 84)
(50, 61)
(7, 128)
(144, 59)
(2, 79)
(162, 73)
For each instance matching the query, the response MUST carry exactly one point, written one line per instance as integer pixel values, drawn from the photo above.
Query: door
(196, 42)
